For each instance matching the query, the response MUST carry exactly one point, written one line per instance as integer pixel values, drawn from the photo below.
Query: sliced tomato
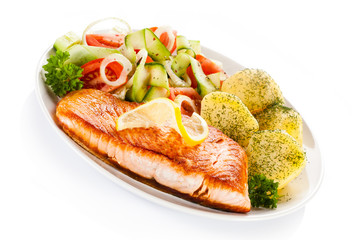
(105, 40)
(208, 67)
(190, 73)
(92, 78)
(164, 38)
(149, 59)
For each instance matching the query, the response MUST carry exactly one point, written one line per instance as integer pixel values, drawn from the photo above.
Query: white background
(311, 49)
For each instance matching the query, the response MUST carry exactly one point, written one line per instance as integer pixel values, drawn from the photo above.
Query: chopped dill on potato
(256, 89)
(276, 155)
(227, 112)
(281, 117)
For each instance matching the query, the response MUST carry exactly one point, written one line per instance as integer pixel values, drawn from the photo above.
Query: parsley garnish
(62, 77)
(263, 192)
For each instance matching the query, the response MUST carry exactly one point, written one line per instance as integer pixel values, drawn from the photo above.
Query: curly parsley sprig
(263, 192)
(62, 77)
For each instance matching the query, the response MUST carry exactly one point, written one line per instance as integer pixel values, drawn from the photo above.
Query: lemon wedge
(164, 112)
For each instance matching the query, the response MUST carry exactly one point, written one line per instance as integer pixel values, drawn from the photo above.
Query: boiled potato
(256, 89)
(227, 113)
(275, 154)
(281, 117)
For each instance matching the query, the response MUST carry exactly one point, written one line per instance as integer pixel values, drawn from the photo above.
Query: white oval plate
(296, 194)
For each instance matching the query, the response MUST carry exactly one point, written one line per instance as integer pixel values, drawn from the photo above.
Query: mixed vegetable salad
(157, 62)
(134, 65)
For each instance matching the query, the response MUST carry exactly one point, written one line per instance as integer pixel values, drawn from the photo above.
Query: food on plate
(151, 103)
(213, 173)
(226, 112)
(276, 155)
(256, 89)
(281, 117)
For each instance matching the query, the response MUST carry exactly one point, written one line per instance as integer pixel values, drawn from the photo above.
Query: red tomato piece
(148, 60)
(208, 67)
(92, 78)
(190, 73)
(105, 40)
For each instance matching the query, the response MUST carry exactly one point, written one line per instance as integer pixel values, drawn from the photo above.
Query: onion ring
(127, 67)
(166, 29)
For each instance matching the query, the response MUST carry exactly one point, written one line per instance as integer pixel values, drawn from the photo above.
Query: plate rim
(217, 214)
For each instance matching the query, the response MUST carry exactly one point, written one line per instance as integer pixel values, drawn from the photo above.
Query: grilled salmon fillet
(213, 173)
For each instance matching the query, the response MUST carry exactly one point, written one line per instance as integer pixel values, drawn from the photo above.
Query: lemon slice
(164, 112)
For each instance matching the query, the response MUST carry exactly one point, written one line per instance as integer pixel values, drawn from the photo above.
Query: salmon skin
(213, 173)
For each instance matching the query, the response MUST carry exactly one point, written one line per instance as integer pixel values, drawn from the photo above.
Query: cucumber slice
(188, 51)
(182, 42)
(81, 54)
(145, 38)
(129, 96)
(205, 85)
(150, 74)
(156, 92)
(180, 63)
(195, 45)
(136, 39)
(141, 79)
(158, 75)
(66, 41)
(215, 79)
(101, 52)
(184, 45)
(156, 49)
